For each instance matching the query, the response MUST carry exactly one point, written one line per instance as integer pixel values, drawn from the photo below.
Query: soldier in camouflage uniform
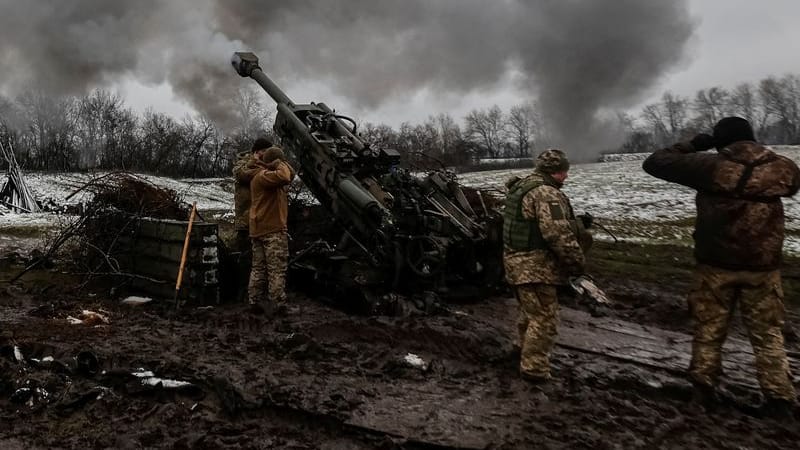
(542, 250)
(268, 228)
(738, 247)
(244, 169)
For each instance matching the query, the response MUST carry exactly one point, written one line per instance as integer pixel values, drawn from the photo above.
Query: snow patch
(622, 197)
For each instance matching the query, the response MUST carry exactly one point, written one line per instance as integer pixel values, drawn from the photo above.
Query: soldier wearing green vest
(542, 250)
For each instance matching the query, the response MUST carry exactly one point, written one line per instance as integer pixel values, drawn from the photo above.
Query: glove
(702, 142)
(587, 220)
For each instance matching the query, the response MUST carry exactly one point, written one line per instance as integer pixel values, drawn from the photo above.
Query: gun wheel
(425, 256)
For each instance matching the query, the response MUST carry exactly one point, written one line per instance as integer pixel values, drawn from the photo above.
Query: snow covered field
(634, 205)
(631, 204)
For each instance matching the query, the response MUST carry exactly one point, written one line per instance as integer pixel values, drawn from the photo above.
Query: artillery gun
(419, 236)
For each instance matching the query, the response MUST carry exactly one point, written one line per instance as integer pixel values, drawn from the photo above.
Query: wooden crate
(154, 251)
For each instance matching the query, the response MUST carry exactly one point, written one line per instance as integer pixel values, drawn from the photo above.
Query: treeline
(485, 133)
(772, 106)
(97, 131)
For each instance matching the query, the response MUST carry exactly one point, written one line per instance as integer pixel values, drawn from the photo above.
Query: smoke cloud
(578, 57)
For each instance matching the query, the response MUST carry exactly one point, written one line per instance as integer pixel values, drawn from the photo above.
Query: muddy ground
(319, 378)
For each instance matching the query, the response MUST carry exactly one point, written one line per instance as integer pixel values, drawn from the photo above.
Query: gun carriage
(419, 236)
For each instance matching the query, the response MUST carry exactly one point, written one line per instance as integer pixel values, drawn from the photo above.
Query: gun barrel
(246, 65)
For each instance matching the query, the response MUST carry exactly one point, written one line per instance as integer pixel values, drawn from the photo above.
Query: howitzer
(416, 233)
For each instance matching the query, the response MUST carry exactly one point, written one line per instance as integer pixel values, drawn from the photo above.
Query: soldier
(243, 170)
(738, 248)
(268, 231)
(541, 239)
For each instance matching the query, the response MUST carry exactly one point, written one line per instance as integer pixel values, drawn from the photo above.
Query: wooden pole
(184, 253)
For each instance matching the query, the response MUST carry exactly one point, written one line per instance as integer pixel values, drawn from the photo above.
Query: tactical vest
(519, 232)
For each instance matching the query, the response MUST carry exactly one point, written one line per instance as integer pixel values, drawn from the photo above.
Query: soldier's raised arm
(281, 175)
(682, 164)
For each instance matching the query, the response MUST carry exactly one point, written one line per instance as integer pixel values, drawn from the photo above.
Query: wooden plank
(653, 347)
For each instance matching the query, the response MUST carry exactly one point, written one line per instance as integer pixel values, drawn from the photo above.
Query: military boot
(779, 409)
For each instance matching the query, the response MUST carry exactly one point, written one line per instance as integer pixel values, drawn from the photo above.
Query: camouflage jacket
(740, 220)
(243, 171)
(563, 257)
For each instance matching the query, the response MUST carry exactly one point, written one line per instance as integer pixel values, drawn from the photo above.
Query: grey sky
(735, 41)
(163, 54)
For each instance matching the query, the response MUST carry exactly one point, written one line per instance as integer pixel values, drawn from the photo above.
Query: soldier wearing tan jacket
(242, 174)
(268, 227)
(738, 247)
(542, 250)
(243, 170)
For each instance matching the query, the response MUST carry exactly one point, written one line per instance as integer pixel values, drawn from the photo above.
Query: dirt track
(319, 378)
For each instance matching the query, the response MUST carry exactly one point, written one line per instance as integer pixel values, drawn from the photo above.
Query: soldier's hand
(587, 220)
(702, 142)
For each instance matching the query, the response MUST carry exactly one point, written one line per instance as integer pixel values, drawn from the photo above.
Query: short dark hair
(261, 143)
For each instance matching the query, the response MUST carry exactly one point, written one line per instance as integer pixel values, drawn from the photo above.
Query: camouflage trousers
(242, 246)
(270, 258)
(538, 320)
(712, 300)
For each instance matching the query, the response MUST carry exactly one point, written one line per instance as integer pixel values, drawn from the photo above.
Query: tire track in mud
(320, 376)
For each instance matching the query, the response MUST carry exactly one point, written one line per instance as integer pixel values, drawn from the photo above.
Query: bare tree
(253, 117)
(99, 116)
(454, 150)
(486, 128)
(653, 115)
(379, 135)
(781, 99)
(667, 118)
(198, 155)
(710, 105)
(162, 141)
(677, 111)
(522, 128)
(50, 130)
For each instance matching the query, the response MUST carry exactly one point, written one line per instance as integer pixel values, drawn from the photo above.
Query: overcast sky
(392, 61)
(734, 41)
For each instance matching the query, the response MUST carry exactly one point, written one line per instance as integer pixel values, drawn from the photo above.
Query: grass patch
(664, 263)
(26, 231)
(641, 262)
(674, 231)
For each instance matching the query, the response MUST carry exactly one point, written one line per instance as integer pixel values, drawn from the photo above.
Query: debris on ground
(322, 378)
(89, 318)
(15, 193)
(586, 287)
(415, 362)
(135, 300)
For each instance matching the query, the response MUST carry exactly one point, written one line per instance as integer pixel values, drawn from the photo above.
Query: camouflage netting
(127, 194)
(107, 227)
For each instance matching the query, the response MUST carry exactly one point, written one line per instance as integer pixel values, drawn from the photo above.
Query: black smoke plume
(580, 58)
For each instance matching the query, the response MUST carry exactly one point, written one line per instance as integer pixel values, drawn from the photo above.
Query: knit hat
(730, 130)
(552, 161)
(260, 144)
